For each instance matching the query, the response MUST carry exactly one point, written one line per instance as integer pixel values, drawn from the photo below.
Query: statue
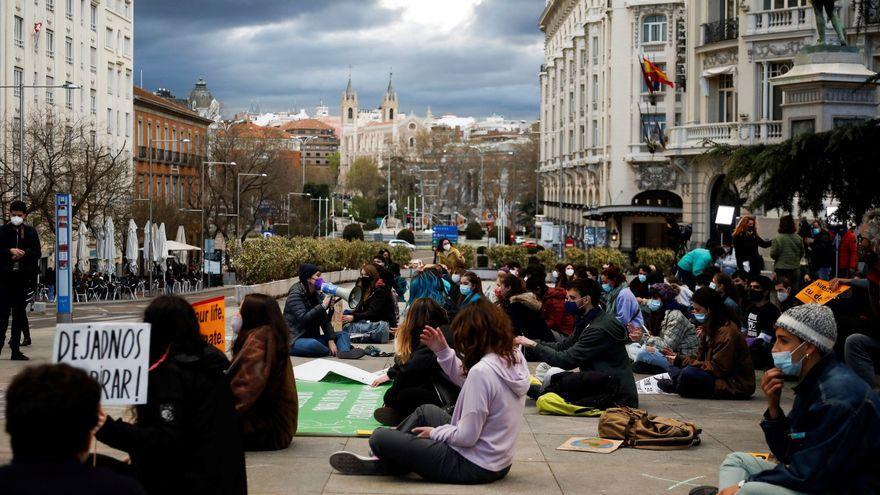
(822, 7)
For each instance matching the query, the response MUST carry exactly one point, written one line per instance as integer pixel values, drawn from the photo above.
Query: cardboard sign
(117, 355)
(211, 314)
(591, 444)
(819, 292)
(648, 386)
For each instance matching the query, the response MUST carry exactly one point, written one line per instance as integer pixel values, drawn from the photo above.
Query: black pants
(13, 300)
(405, 399)
(403, 452)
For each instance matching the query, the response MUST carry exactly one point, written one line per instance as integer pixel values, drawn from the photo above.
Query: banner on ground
(337, 408)
(819, 292)
(648, 386)
(211, 314)
(117, 355)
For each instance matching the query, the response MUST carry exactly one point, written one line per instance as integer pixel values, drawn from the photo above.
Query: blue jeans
(378, 332)
(655, 358)
(740, 466)
(318, 346)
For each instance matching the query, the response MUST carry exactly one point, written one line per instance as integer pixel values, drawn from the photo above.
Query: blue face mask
(713, 286)
(782, 360)
(654, 305)
(607, 287)
(642, 278)
(700, 317)
(816, 231)
(571, 307)
(465, 290)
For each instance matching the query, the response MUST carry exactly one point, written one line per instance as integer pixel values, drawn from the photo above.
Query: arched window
(351, 113)
(654, 29)
(390, 114)
(412, 142)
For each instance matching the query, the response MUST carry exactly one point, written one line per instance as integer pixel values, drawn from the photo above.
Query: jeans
(403, 452)
(318, 346)
(824, 273)
(13, 301)
(378, 332)
(739, 466)
(655, 358)
(862, 354)
(693, 382)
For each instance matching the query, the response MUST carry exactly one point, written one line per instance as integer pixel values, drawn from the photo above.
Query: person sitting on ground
(261, 376)
(598, 344)
(619, 299)
(187, 437)
(309, 315)
(684, 292)
(476, 444)
(692, 264)
(427, 284)
(417, 378)
(787, 250)
(740, 281)
(562, 274)
(471, 288)
(670, 328)
(523, 308)
(830, 439)
(724, 285)
(448, 255)
(760, 316)
(639, 283)
(515, 268)
(371, 320)
(552, 302)
(783, 296)
(52, 411)
(383, 260)
(722, 367)
(586, 272)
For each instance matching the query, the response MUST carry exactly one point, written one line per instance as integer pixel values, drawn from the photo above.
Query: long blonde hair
(423, 311)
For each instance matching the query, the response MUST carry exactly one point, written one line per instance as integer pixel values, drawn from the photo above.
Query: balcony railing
(780, 21)
(142, 152)
(733, 133)
(724, 30)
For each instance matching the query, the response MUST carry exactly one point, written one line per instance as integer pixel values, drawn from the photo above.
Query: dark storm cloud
(282, 53)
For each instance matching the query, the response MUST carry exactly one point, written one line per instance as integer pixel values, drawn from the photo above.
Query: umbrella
(110, 244)
(161, 247)
(182, 256)
(179, 246)
(72, 249)
(148, 246)
(131, 247)
(99, 248)
(82, 248)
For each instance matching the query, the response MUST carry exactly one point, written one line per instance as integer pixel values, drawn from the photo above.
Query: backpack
(554, 405)
(641, 430)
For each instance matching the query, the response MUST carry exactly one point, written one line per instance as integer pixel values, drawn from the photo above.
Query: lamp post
(302, 156)
(238, 201)
(20, 86)
(202, 201)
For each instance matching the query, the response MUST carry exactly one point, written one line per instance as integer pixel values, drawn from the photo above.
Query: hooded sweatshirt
(488, 414)
(524, 311)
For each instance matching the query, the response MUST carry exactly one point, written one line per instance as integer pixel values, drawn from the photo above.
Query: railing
(713, 32)
(142, 152)
(782, 20)
(733, 133)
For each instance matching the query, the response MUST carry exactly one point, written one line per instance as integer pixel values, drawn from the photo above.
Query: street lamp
(67, 86)
(238, 201)
(302, 155)
(202, 201)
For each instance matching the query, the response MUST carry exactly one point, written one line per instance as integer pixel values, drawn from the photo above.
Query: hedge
(663, 259)
(474, 231)
(407, 235)
(352, 232)
(276, 258)
(499, 255)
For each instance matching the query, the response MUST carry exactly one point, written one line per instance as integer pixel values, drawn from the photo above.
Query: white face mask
(569, 272)
(16, 220)
(235, 326)
(555, 274)
(447, 247)
(456, 278)
(782, 296)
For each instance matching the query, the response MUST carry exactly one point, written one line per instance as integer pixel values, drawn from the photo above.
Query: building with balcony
(175, 165)
(596, 113)
(318, 142)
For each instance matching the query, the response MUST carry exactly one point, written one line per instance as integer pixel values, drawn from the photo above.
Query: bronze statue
(822, 7)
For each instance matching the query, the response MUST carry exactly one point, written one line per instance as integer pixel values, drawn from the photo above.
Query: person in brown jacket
(261, 375)
(722, 368)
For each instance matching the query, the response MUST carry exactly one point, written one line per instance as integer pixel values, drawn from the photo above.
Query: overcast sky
(467, 57)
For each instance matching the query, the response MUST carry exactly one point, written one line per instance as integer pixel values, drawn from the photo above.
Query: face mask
(465, 290)
(456, 278)
(607, 287)
(697, 287)
(16, 220)
(816, 231)
(498, 293)
(782, 296)
(642, 278)
(235, 325)
(555, 274)
(782, 360)
(447, 247)
(755, 295)
(318, 283)
(569, 272)
(713, 286)
(700, 317)
(751, 229)
(654, 305)
(571, 307)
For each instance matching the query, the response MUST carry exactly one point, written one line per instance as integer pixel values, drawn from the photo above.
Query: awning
(603, 212)
(715, 72)
(179, 246)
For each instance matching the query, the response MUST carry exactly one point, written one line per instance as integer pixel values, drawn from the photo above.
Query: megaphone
(351, 296)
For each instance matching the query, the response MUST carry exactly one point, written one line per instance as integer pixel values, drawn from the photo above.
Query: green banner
(337, 408)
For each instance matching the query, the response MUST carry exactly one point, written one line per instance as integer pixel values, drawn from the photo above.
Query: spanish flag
(654, 77)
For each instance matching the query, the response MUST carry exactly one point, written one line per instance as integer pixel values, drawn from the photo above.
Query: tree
(407, 235)
(333, 160)
(363, 209)
(363, 177)
(474, 231)
(353, 232)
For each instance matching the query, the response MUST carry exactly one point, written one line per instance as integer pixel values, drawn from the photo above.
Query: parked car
(520, 239)
(401, 242)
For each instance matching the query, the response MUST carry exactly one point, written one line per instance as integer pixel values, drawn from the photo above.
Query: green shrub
(371, 225)
(407, 235)
(575, 256)
(474, 231)
(481, 250)
(548, 258)
(353, 231)
(663, 259)
(508, 238)
(401, 255)
(469, 253)
(501, 255)
(604, 255)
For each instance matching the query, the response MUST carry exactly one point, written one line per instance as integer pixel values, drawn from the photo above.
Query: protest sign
(117, 355)
(819, 292)
(648, 386)
(211, 314)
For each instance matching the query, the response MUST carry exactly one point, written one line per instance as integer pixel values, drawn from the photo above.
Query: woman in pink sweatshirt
(476, 443)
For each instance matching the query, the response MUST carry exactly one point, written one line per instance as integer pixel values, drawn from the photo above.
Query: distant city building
(203, 102)
(320, 142)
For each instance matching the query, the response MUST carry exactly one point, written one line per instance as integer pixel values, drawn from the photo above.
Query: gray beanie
(811, 323)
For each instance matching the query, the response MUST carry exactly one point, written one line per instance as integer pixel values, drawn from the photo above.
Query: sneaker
(354, 353)
(20, 357)
(26, 343)
(666, 385)
(704, 490)
(348, 463)
(387, 416)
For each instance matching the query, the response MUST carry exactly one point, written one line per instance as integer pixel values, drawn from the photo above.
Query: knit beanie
(811, 323)
(665, 291)
(306, 270)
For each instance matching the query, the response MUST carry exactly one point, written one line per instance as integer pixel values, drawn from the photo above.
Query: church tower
(349, 103)
(389, 102)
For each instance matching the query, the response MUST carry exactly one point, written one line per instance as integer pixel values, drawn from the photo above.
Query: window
(50, 5)
(93, 59)
(783, 4)
(68, 135)
(108, 38)
(68, 50)
(93, 139)
(128, 84)
(93, 22)
(50, 43)
(654, 29)
(110, 80)
(68, 97)
(109, 121)
(50, 92)
(17, 77)
(127, 9)
(68, 11)
(726, 98)
(653, 127)
(93, 101)
(118, 124)
(82, 12)
(36, 93)
(19, 32)
(127, 45)
(772, 95)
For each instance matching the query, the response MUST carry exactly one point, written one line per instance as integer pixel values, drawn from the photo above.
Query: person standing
(19, 256)
(449, 256)
(746, 242)
(787, 249)
(820, 252)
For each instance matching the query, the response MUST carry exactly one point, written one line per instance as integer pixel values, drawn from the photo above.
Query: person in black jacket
(19, 257)
(187, 438)
(523, 308)
(820, 251)
(746, 242)
(375, 314)
(417, 378)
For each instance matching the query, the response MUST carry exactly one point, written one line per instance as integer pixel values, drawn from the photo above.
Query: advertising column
(63, 270)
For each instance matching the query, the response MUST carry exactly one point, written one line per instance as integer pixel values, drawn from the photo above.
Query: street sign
(590, 236)
(601, 236)
(63, 269)
(450, 232)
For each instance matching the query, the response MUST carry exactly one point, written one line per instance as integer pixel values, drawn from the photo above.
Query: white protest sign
(117, 355)
(648, 386)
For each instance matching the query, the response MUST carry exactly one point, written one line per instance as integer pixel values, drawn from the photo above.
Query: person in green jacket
(692, 264)
(787, 250)
(598, 343)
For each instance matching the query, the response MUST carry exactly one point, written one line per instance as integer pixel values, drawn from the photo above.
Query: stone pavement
(538, 468)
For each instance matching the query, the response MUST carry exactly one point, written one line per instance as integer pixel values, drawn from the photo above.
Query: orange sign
(819, 292)
(211, 314)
